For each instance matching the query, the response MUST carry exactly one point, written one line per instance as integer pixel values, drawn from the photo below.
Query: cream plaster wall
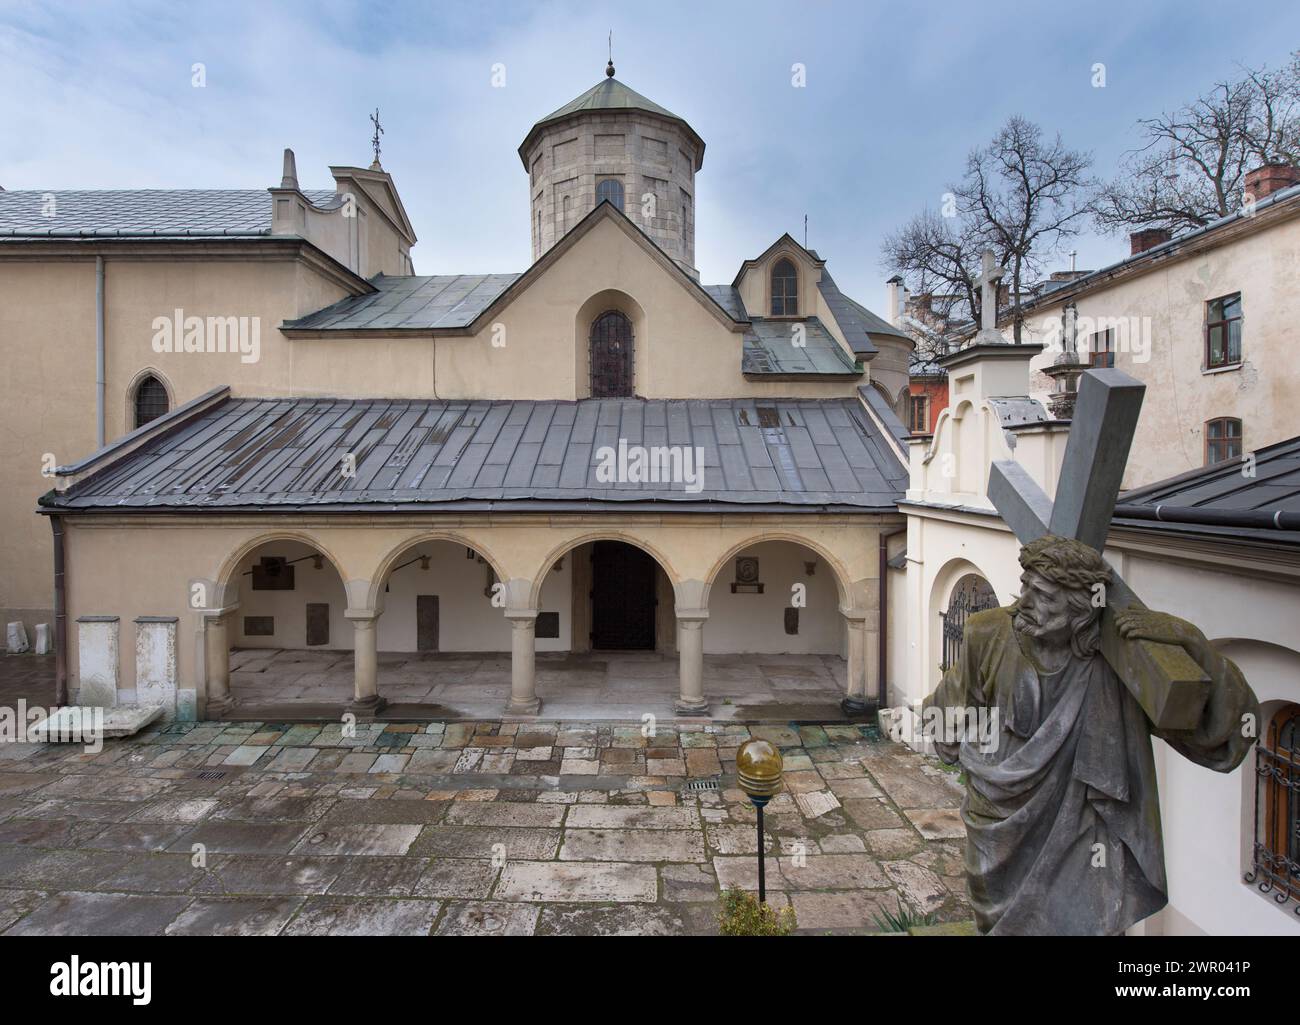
(146, 565)
(756, 622)
(1265, 267)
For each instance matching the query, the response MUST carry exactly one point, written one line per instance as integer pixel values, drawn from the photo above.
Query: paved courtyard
(605, 685)
(465, 828)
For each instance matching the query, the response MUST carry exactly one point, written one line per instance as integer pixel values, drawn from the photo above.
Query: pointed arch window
(785, 289)
(150, 401)
(610, 189)
(611, 356)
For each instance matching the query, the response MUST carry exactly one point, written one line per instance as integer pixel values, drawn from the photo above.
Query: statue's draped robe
(1071, 768)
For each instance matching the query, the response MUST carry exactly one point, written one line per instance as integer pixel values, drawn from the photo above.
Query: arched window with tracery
(785, 289)
(611, 356)
(1277, 808)
(150, 401)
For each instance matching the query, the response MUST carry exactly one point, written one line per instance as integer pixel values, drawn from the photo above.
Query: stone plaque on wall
(273, 573)
(259, 626)
(747, 576)
(548, 625)
(155, 662)
(318, 623)
(97, 663)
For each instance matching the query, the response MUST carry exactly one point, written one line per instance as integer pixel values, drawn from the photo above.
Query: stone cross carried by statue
(1062, 811)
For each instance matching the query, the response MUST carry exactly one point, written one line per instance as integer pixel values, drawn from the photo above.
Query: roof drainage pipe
(99, 351)
(882, 683)
(1260, 519)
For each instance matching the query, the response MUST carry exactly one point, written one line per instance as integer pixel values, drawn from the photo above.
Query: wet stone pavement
(465, 829)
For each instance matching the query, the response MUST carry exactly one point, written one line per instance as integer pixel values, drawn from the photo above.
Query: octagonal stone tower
(613, 143)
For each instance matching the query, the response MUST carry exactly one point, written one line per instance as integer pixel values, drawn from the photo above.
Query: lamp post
(758, 770)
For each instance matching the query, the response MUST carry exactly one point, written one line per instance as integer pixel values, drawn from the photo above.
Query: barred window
(1277, 808)
(610, 189)
(150, 400)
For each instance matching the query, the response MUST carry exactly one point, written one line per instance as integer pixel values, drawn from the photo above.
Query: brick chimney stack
(1269, 178)
(1148, 238)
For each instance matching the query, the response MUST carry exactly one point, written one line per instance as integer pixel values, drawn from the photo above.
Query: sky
(894, 97)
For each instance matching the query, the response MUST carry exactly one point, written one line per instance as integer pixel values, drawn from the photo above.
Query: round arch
(842, 582)
(226, 573)
(397, 551)
(945, 582)
(564, 548)
(609, 300)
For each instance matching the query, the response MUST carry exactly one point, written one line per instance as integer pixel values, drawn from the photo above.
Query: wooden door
(622, 597)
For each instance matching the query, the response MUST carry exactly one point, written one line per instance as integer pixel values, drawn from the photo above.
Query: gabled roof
(276, 455)
(1222, 500)
(378, 185)
(421, 312)
(786, 239)
(610, 95)
(142, 212)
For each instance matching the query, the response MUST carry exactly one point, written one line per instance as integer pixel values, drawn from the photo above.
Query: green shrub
(742, 915)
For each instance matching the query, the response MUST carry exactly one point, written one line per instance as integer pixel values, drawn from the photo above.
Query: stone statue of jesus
(1062, 814)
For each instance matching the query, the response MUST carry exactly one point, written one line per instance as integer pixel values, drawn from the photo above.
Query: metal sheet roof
(770, 349)
(279, 454)
(1222, 500)
(410, 302)
(112, 212)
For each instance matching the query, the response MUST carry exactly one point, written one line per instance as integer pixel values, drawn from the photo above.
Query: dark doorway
(426, 622)
(318, 623)
(622, 597)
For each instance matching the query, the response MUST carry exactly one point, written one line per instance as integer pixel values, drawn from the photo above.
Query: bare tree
(1021, 196)
(1025, 195)
(1192, 166)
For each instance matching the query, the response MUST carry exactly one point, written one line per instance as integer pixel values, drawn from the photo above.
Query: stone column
(216, 656)
(855, 701)
(690, 662)
(523, 663)
(365, 673)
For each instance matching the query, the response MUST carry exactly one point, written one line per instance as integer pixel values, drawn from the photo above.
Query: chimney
(290, 179)
(1269, 178)
(894, 298)
(1148, 238)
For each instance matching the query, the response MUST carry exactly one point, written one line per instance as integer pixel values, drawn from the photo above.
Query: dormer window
(610, 189)
(785, 289)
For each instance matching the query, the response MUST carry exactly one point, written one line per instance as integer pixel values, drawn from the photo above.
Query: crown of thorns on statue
(1064, 561)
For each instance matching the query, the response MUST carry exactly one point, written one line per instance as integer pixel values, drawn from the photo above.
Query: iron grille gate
(969, 596)
(1276, 862)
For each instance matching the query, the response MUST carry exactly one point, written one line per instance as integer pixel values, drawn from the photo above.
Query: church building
(288, 443)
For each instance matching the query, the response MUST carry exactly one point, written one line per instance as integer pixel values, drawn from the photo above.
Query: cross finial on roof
(374, 141)
(609, 68)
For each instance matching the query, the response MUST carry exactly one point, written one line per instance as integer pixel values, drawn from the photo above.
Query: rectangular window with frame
(1223, 331)
(1222, 440)
(1101, 348)
(920, 408)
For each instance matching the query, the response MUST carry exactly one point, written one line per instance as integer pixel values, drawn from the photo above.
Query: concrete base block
(73, 724)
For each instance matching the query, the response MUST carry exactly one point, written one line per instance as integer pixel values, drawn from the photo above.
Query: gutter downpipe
(100, 383)
(882, 685)
(60, 616)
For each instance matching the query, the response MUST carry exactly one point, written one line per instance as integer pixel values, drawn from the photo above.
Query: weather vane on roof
(379, 130)
(609, 68)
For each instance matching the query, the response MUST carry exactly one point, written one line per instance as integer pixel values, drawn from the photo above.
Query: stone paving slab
(466, 828)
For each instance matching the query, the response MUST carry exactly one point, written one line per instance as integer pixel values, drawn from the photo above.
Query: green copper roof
(611, 95)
